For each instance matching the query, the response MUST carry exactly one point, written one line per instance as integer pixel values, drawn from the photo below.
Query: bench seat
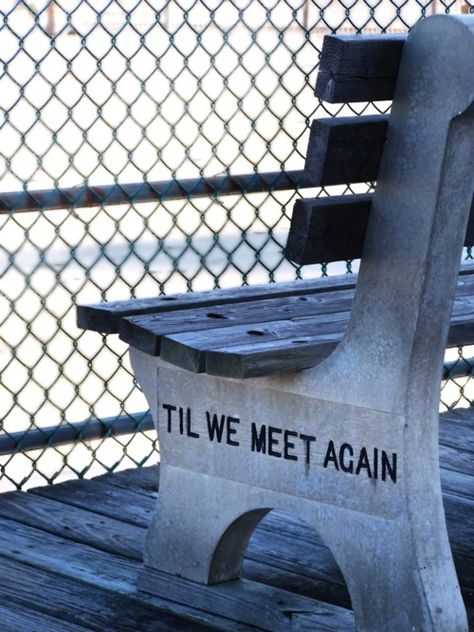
(252, 331)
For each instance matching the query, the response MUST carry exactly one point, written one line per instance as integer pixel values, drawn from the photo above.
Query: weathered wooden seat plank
(106, 317)
(221, 342)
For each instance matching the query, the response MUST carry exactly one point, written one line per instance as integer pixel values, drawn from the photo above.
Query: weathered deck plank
(256, 604)
(96, 608)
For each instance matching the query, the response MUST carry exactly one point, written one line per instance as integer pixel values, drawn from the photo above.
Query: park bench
(312, 397)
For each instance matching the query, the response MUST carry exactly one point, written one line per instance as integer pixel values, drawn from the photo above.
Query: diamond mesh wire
(131, 91)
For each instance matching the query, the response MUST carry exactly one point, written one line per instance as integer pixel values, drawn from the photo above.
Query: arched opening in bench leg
(229, 553)
(287, 552)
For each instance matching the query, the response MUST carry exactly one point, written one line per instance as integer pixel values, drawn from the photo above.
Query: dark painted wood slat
(266, 607)
(343, 150)
(105, 317)
(256, 360)
(262, 348)
(359, 67)
(78, 603)
(145, 332)
(328, 229)
(302, 351)
(188, 350)
(202, 345)
(333, 229)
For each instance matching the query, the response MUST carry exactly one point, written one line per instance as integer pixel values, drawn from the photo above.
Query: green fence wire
(109, 93)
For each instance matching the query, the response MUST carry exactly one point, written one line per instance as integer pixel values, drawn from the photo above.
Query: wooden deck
(70, 554)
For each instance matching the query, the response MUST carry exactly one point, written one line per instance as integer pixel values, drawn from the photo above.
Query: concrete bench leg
(198, 531)
(349, 472)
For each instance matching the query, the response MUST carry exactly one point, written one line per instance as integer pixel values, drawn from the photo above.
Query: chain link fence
(138, 91)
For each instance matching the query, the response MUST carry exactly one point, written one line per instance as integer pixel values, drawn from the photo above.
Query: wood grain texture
(256, 604)
(78, 603)
(333, 229)
(105, 317)
(76, 524)
(106, 500)
(246, 344)
(141, 480)
(359, 67)
(328, 228)
(145, 332)
(343, 150)
(20, 617)
(309, 344)
(189, 350)
(65, 558)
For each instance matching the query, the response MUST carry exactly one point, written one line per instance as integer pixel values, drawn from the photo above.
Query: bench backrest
(346, 150)
(418, 216)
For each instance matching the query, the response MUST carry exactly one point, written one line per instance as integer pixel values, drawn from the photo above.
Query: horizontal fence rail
(140, 192)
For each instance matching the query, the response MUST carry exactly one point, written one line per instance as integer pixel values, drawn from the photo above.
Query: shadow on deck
(70, 555)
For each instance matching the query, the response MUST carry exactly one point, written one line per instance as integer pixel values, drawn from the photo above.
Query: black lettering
(375, 463)
(259, 441)
(391, 468)
(363, 463)
(331, 456)
(169, 408)
(214, 427)
(181, 420)
(289, 445)
(272, 441)
(349, 468)
(231, 430)
(307, 439)
(189, 432)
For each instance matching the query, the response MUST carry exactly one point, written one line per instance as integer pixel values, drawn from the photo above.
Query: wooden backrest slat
(328, 229)
(344, 150)
(359, 68)
(333, 229)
